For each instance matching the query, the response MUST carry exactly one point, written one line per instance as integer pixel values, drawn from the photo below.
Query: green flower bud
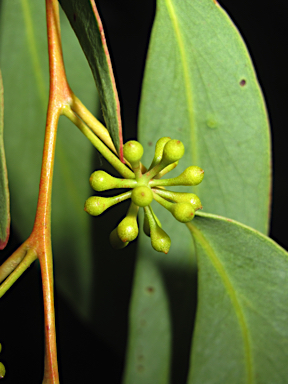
(180, 197)
(95, 205)
(191, 176)
(102, 181)
(159, 151)
(159, 239)
(133, 151)
(173, 151)
(142, 196)
(183, 212)
(2, 370)
(115, 240)
(128, 229)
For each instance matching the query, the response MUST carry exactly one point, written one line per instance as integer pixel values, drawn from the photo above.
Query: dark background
(82, 357)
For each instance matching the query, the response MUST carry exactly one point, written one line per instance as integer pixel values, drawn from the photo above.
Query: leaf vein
(233, 297)
(186, 75)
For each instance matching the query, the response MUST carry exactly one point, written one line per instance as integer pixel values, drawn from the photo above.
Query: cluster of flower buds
(145, 187)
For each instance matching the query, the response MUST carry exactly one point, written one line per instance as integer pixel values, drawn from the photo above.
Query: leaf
(23, 40)
(86, 23)
(4, 191)
(193, 91)
(241, 332)
(200, 87)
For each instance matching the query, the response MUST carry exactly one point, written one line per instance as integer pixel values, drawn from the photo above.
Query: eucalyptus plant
(201, 112)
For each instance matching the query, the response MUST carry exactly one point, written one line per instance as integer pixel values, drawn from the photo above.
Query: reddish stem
(59, 96)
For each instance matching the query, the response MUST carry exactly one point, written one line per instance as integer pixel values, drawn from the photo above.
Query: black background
(127, 23)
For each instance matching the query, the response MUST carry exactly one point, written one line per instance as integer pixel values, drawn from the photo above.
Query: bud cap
(133, 151)
(160, 241)
(142, 196)
(183, 212)
(128, 229)
(173, 151)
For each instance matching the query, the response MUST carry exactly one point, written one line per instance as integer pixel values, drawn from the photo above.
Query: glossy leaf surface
(4, 191)
(200, 87)
(241, 332)
(86, 22)
(23, 40)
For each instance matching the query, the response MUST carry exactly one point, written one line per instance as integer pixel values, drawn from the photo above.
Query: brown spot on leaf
(242, 82)
(150, 289)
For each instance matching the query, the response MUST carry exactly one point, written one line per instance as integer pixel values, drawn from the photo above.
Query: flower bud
(159, 239)
(95, 205)
(180, 197)
(192, 175)
(173, 151)
(183, 212)
(102, 181)
(128, 229)
(133, 151)
(142, 196)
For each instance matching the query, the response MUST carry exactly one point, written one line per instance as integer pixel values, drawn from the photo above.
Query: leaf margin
(4, 189)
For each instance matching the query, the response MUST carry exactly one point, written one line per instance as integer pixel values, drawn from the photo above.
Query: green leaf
(23, 40)
(241, 332)
(200, 87)
(193, 91)
(87, 25)
(4, 191)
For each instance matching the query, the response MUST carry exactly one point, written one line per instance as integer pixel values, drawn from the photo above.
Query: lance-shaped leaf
(200, 87)
(86, 23)
(241, 332)
(4, 191)
(23, 40)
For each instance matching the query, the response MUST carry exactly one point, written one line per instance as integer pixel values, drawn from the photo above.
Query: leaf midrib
(186, 75)
(232, 294)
